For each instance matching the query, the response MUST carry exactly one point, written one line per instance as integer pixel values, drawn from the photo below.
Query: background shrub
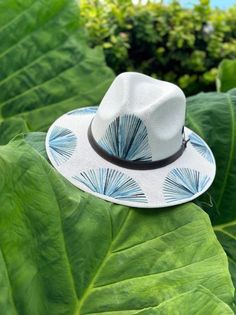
(168, 42)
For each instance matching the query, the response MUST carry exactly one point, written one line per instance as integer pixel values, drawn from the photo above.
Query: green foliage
(226, 79)
(46, 66)
(65, 252)
(183, 304)
(169, 42)
(213, 117)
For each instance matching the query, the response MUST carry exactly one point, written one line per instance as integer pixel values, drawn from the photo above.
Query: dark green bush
(169, 42)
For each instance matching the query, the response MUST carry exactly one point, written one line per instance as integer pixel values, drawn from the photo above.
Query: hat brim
(71, 154)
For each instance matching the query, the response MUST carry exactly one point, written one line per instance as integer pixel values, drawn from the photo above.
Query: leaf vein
(231, 152)
(101, 265)
(159, 273)
(4, 53)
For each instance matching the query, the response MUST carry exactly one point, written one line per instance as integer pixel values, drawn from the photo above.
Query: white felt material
(160, 108)
(159, 104)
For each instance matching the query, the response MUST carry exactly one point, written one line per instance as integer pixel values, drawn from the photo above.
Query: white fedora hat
(133, 149)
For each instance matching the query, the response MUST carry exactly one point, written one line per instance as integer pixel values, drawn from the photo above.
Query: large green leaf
(226, 78)
(46, 67)
(213, 116)
(183, 304)
(66, 252)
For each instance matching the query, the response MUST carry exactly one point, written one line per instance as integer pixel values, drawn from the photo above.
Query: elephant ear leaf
(226, 79)
(46, 65)
(66, 252)
(213, 117)
(207, 303)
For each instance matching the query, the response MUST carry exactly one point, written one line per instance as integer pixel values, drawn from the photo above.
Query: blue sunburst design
(62, 143)
(112, 183)
(127, 138)
(200, 146)
(183, 183)
(84, 111)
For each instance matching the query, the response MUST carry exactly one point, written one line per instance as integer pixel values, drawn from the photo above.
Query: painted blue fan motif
(62, 143)
(183, 183)
(84, 111)
(112, 183)
(127, 138)
(200, 146)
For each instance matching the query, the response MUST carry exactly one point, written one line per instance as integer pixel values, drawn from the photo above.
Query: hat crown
(140, 118)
